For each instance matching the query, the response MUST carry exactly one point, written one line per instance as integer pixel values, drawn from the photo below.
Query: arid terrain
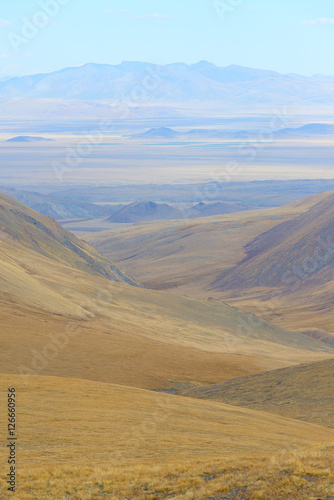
(166, 250)
(275, 262)
(112, 362)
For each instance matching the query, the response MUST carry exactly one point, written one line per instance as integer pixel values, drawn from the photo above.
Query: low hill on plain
(144, 211)
(28, 138)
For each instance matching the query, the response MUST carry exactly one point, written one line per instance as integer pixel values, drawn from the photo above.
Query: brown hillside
(291, 251)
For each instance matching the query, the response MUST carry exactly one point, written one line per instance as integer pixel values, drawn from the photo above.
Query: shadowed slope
(291, 251)
(304, 392)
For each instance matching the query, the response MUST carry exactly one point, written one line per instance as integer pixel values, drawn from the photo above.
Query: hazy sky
(289, 36)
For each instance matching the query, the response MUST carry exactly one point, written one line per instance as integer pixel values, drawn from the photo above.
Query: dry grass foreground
(87, 440)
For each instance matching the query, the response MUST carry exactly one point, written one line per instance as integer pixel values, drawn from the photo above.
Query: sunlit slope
(146, 339)
(304, 392)
(198, 427)
(60, 320)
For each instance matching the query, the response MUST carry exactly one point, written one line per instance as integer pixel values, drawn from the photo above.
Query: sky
(286, 36)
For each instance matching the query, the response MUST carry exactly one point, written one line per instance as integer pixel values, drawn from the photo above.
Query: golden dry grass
(86, 440)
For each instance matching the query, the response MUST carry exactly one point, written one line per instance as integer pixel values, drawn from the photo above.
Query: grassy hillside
(304, 392)
(86, 440)
(185, 255)
(21, 225)
(277, 263)
(188, 255)
(69, 320)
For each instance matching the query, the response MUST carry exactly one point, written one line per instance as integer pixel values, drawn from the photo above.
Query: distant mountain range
(59, 208)
(62, 208)
(312, 129)
(140, 82)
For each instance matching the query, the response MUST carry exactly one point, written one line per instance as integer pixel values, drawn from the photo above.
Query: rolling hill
(291, 268)
(24, 227)
(82, 345)
(292, 251)
(144, 211)
(191, 252)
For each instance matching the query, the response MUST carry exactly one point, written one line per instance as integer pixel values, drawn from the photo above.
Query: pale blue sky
(286, 36)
